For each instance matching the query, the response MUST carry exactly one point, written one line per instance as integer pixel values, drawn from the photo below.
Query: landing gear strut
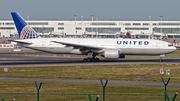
(160, 60)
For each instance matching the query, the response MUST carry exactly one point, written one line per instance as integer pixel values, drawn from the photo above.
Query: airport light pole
(75, 17)
(97, 28)
(91, 24)
(150, 28)
(81, 26)
(75, 25)
(161, 26)
(27, 17)
(81, 18)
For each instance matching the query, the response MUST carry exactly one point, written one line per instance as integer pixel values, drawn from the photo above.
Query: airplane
(91, 47)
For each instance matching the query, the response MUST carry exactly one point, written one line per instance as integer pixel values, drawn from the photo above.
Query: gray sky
(104, 9)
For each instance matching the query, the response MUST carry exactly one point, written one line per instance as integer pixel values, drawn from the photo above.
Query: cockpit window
(170, 45)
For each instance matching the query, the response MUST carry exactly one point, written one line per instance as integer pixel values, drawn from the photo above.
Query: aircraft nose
(174, 48)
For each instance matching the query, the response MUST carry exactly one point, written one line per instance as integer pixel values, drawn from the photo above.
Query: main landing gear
(91, 59)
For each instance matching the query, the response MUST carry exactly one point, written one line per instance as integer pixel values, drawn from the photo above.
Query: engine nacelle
(112, 54)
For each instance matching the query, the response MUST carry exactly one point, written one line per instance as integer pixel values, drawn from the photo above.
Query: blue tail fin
(24, 30)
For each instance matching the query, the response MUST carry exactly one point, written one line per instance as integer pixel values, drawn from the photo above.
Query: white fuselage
(125, 46)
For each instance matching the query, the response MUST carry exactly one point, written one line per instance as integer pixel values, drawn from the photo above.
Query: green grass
(111, 72)
(26, 91)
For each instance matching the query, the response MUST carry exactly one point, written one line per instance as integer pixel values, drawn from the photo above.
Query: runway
(13, 60)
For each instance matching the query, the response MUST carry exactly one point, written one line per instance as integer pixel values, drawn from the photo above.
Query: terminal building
(96, 29)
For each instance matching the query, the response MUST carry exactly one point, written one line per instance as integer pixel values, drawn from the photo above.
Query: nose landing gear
(160, 60)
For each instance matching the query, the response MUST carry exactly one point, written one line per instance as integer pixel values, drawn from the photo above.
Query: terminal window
(6, 28)
(145, 24)
(35, 23)
(103, 23)
(9, 23)
(60, 23)
(136, 23)
(43, 29)
(78, 28)
(164, 24)
(60, 28)
(136, 28)
(167, 30)
(127, 24)
(104, 30)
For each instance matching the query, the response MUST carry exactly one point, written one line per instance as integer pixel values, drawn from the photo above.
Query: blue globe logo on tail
(24, 30)
(28, 33)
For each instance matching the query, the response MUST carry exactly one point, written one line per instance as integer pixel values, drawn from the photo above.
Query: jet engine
(112, 54)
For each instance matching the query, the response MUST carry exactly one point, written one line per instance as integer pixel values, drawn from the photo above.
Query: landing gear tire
(96, 59)
(93, 60)
(90, 59)
(85, 60)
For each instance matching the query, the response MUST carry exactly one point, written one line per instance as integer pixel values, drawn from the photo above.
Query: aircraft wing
(82, 47)
(22, 42)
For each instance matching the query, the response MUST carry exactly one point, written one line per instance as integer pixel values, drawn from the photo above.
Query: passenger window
(170, 45)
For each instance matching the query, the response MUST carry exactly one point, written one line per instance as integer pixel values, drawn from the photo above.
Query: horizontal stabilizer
(20, 41)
